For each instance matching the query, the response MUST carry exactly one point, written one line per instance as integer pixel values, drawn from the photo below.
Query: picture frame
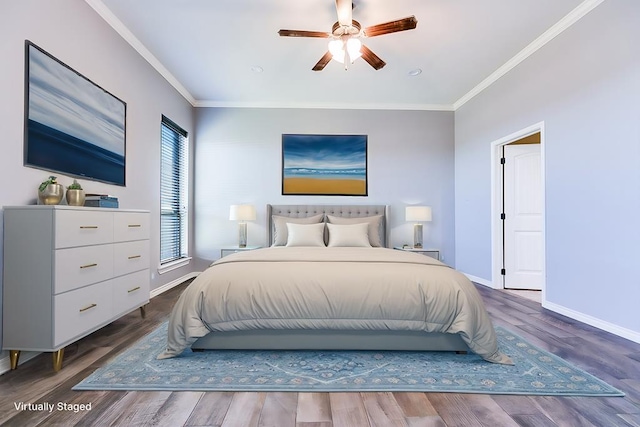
(72, 125)
(324, 165)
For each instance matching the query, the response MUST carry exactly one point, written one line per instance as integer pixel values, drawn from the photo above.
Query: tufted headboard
(346, 211)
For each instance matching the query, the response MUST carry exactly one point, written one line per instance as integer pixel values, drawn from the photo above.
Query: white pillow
(280, 226)
(305, 234)
(373, 221)
(354, 235)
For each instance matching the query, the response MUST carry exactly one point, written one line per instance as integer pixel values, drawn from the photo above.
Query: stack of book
(101, 201)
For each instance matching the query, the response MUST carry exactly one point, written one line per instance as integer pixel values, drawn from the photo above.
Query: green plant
(75, 186)
(44, 184)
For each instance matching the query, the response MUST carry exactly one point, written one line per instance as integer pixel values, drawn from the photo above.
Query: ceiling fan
(345, 45)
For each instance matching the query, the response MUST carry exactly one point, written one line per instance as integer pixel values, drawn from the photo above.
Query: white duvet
(331, 288)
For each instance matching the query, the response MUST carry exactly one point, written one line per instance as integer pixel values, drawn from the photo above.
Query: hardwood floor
(611, 358)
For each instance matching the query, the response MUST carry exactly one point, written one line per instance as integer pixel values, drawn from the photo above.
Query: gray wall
(72, 32)
(238, 160)
(585, 86)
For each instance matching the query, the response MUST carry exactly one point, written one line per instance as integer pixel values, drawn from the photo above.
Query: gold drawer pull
(134, 256)
(89, 265)
(133, 290)
(88, 307)
(134, 225)
(88, 226)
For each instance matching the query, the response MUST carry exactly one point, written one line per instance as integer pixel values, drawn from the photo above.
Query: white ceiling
(208, 49)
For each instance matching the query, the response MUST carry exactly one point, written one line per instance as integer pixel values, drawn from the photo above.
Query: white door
(523, 238)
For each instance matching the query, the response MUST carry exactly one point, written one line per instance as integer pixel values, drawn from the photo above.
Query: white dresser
(68, 271)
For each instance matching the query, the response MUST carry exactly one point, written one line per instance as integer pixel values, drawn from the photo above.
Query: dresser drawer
(82, 228)
(130, 291)
(77, 267)
(80, 311)
(131, 226)
(130, 256)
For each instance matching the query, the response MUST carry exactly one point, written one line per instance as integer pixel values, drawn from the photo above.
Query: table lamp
(417, 214)
(242, 213)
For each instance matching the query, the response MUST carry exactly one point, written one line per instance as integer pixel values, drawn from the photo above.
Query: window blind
(173, 192)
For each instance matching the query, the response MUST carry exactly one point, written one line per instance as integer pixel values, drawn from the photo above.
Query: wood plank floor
(611, 358)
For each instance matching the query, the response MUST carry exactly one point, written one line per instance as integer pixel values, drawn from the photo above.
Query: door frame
(497, 247)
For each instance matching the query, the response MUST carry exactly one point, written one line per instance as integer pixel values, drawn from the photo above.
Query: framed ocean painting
(327, 165)
(72, 126)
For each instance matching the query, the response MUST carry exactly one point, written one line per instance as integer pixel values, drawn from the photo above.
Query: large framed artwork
(72, 126)
(328, 165)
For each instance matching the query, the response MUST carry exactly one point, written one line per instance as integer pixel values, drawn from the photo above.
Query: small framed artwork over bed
(325, 165)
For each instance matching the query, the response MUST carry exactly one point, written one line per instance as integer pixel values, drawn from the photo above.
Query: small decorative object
(50, 192)
(242, 214)
(75, 194)
(101, 201)
(417, 214)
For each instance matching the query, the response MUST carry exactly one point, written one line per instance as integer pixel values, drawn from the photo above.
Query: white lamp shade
(242, 213)
(418, 213)
(336, 47)
(352, 45)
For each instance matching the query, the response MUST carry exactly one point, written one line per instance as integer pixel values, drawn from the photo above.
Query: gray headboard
(346, 211)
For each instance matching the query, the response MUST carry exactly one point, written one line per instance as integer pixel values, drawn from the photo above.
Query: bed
(327, 280)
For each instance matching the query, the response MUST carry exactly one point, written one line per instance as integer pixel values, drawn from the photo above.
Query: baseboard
(479, 280)
(5, 362)
(25, 356)
(593, 321)
(164, 288)
(575, 315)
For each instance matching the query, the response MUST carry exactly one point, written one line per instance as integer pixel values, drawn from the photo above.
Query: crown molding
(571, 18)
(341, 106)
(128, 36)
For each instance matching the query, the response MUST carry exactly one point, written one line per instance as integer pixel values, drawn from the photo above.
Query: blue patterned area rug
(536, 372)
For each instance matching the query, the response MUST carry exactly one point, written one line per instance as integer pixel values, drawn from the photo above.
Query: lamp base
(417, 236)
(242, 235)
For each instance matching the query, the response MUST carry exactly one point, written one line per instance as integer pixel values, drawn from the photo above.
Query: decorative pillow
(280, 226)
(305, 234)
(354, 235)
(374, 226)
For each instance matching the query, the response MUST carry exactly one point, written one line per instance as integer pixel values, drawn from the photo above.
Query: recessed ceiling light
(415, 72)
(257, 69)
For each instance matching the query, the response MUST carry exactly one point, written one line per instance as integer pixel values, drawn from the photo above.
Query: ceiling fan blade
(326, 58)
(344, 8)
(303, 33)
(392, 27)
(373, 59)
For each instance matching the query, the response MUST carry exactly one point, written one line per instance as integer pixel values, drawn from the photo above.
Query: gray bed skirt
(267, 339)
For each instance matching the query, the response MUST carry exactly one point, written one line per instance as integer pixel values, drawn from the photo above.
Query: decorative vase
(51, 195)
(75, 197)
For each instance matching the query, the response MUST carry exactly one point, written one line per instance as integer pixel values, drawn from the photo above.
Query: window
(173, 193)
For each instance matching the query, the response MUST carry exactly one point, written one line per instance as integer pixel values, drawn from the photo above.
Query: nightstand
(433, 253)
(233, 249)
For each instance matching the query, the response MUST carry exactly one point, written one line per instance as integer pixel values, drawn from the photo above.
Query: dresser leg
(14, 355)
(57, 359)
(143, 311)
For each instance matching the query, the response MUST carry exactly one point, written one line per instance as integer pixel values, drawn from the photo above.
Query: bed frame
(269, 339)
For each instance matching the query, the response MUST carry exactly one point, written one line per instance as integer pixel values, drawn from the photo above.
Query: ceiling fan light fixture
(338, 52)
(345, 45)
(353, 48)
(336, 47)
